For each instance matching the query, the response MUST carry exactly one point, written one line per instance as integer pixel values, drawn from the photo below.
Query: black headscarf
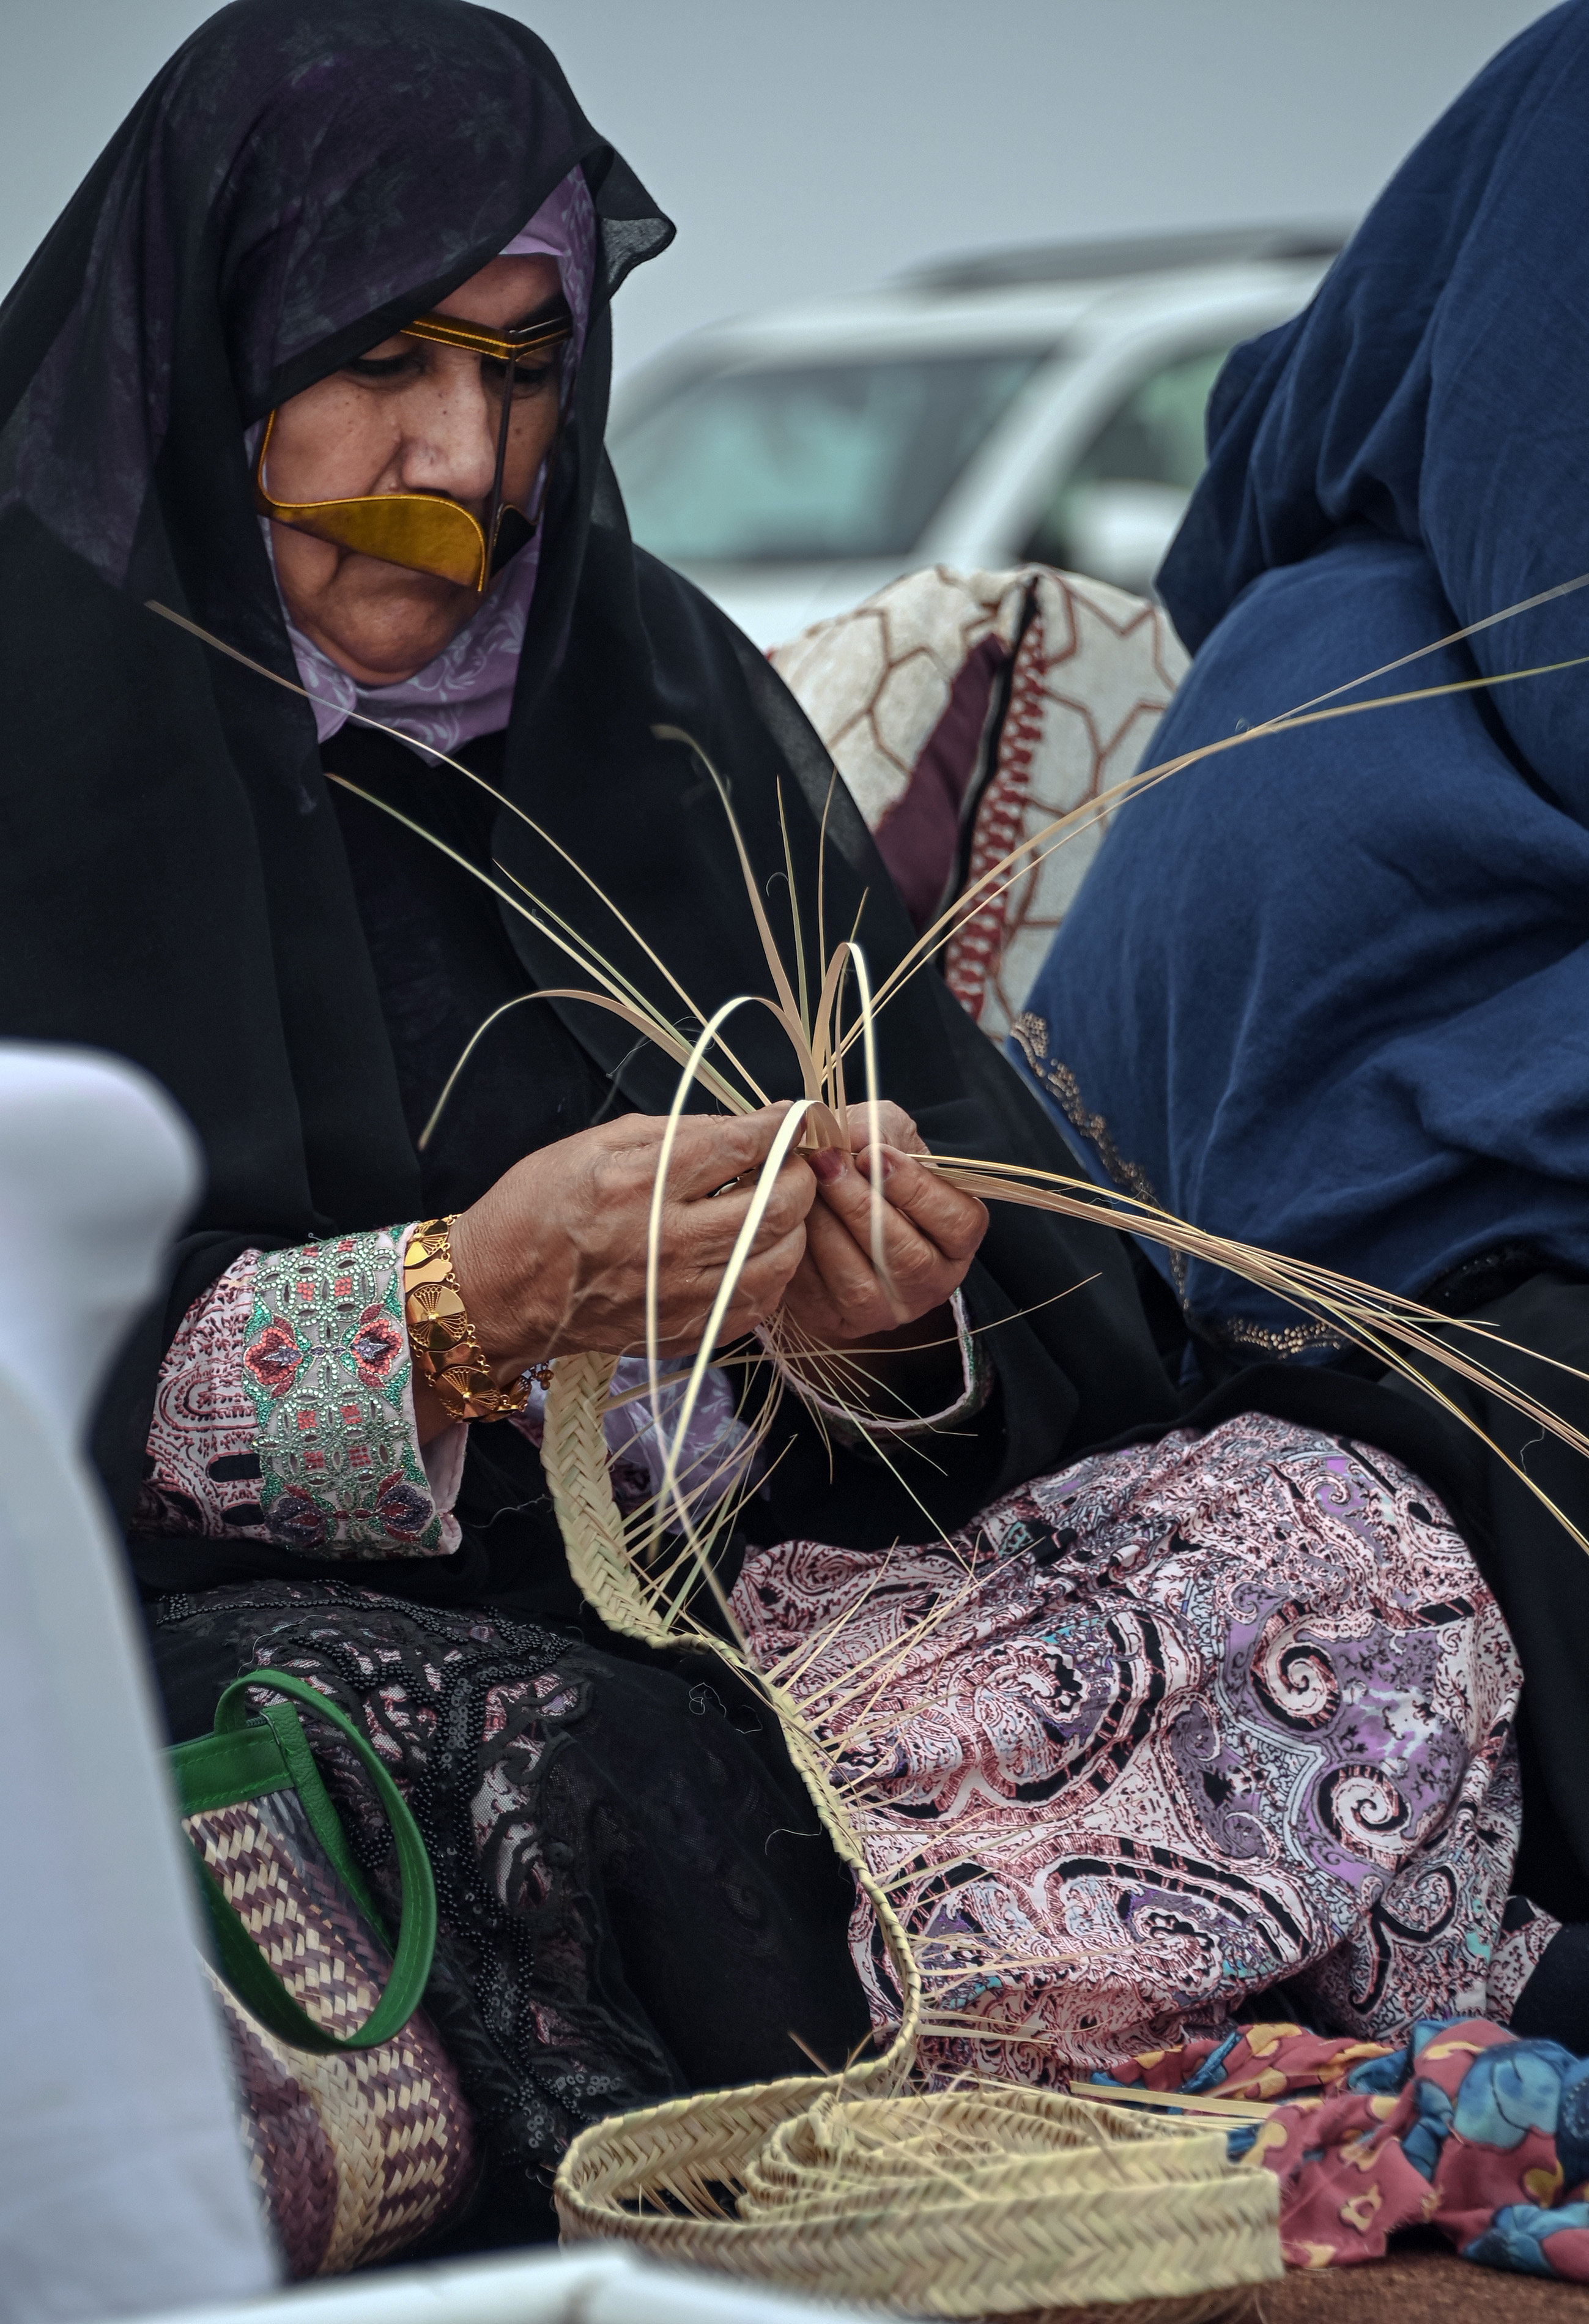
(303, 177)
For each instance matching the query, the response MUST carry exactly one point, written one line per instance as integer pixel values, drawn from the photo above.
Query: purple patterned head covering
(468, 689)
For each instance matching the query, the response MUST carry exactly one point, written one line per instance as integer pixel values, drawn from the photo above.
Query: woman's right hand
(551, 1261)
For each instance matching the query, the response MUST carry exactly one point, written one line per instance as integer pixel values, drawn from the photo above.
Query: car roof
(1031, 296)
(1110, 256)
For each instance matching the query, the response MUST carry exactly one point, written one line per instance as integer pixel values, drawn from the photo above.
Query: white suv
(1038, 405)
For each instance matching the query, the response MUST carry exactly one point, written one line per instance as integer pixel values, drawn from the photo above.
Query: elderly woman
(318, 360)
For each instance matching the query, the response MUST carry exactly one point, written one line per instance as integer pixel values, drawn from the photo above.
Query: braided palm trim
(574, 1455)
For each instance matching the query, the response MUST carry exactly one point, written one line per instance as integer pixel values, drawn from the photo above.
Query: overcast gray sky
(803, 145)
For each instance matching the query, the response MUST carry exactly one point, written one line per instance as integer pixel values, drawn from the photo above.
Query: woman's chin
(383, 642)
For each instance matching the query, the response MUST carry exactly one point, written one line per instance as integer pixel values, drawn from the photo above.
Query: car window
(1154, 439)
(809, 461)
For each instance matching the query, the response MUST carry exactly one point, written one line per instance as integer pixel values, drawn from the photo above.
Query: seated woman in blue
(1329, 991)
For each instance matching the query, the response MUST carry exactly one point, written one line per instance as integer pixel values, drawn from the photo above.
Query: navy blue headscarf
(1330, 992)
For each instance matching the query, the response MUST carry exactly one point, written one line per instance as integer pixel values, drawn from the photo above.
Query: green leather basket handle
(246, 1757)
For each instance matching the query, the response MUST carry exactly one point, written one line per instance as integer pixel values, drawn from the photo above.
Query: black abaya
(1538, 1572)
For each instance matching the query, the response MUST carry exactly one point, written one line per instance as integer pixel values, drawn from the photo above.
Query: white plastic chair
(122, 2184)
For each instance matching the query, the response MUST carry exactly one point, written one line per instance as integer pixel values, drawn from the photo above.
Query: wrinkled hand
(931, 1232)
(551, 1260)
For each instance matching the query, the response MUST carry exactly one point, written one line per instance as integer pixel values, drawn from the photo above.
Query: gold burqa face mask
(423, 530)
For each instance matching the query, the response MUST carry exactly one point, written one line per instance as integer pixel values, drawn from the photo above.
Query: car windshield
(1156, 435)
(809, 461)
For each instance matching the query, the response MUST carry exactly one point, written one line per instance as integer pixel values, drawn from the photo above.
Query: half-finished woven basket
(992, 2201)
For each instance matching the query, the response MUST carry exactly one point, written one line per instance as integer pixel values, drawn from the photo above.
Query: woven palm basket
(991, 2201)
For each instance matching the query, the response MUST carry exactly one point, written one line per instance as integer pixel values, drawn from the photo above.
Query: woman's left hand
(931, 1232)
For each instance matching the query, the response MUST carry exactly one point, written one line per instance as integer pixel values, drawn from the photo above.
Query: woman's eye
(383, 367)
(528, 379)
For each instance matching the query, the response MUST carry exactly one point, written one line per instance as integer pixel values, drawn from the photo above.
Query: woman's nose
(450, 433)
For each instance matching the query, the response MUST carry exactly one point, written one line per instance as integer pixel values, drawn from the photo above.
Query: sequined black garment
(635, 1899)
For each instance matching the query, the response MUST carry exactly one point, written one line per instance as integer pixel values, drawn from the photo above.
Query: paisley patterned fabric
(1176, 1726)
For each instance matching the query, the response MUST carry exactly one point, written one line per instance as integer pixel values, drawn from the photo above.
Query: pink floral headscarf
(468, 689)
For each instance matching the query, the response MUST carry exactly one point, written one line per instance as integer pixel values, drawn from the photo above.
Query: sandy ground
(1420, 2284)
(1421, 2287)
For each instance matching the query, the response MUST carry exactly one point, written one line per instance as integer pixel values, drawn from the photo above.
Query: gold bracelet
(448, 1357)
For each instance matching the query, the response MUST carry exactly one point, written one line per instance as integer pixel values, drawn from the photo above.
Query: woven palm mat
(994, 2201)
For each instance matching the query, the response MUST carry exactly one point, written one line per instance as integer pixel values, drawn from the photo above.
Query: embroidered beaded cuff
(325, 1367)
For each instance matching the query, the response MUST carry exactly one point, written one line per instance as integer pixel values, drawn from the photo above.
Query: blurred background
(951, 282)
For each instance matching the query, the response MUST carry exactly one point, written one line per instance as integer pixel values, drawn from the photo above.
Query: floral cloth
(285, 1410)
(1460, 2128)
(1159, 1732)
